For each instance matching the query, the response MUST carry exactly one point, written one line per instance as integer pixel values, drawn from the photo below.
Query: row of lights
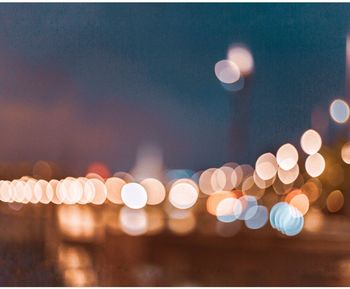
(232, 191)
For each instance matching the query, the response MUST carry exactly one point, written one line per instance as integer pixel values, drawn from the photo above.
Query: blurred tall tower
(240, 142)
(240, 125)
(347, 98)
(347, 68)
(149, 162)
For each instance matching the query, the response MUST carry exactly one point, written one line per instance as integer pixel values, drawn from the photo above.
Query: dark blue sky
(135, 73)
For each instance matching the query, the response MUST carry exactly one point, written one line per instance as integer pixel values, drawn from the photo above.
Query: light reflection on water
(167, 258)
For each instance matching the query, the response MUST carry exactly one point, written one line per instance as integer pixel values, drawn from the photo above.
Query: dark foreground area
(35, 251)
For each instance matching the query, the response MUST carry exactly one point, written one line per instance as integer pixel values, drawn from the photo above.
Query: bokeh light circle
(214, 199)
(227, 71)
(311, 142)
(339, 111)
(312, 189)
(249, 207)
(315, 165)
(155, 191)
(345, 153)
(242, 57)
(287, 156)
(114, 187)
(335, 201)
(301, 202)
(183, 195)
(286, 218)
(259, 217)
(266, 166)
(251, 189)
(288, 177)
(134, 195)
(228, 210)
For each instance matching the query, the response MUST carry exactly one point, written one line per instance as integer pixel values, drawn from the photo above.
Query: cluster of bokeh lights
(232, 192)
(281, 188)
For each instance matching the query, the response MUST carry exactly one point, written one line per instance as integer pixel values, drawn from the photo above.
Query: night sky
(93, 82)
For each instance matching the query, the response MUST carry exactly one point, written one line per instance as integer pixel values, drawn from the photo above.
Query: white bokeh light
(287, 156)
(311, 142)
(134, 195)
(227, 71)
(183, 195)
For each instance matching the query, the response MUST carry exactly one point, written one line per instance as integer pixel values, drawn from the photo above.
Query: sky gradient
(93, 82)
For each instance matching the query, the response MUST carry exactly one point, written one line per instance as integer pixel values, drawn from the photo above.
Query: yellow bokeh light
(214, 199)
(242, 57)
(301, 202)
(291, 194)
(345, 153)
(155, 191)
(114, 186)
(335, 201)
(229, 209)
(312, 189)
(100, 192)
